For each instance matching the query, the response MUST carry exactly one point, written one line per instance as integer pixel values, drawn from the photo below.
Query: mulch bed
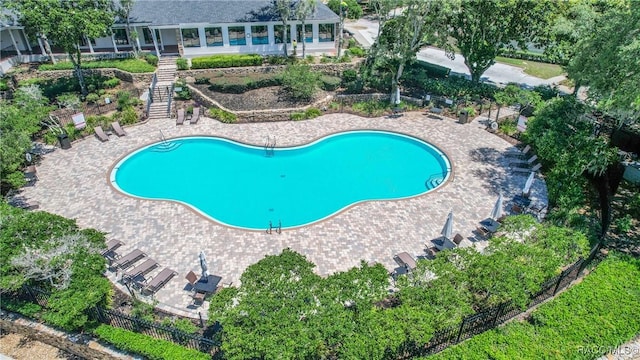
(273, 97)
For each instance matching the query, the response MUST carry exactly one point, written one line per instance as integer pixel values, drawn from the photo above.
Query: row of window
(237, 35)
(259, 35)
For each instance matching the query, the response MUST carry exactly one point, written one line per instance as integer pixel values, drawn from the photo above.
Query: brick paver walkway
(75, 183)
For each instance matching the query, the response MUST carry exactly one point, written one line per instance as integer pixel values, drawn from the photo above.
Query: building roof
(175, 12)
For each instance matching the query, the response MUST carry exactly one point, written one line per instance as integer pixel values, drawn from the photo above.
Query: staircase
(162, 91)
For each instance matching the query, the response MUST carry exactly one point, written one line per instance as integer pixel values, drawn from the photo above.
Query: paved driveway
(75, 183)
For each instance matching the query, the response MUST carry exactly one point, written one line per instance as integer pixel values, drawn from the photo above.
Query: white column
(202, 37)
(113, 41)
(155, 41)
(161, 41)
(42, 50)
(138, 37)
(89, 43)
(271, 33)
(316, 31)
(13, 40)
(225, 36)
(26, 40)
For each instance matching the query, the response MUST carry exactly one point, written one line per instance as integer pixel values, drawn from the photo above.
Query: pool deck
(75, 183)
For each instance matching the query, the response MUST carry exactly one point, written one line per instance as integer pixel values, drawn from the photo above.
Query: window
(146, 35)
(190, 38)
(214, 36)
(120, 37)
(325, 32)
(279, 33)
(83, 42)
(308, 32)
(237, 35)
(259, 35)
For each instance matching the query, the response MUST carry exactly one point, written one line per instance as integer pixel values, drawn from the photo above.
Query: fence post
(28, 289)
(464, 320)
(562, 276)
(498, 313)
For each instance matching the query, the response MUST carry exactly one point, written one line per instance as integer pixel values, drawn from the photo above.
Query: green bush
(330, 83)
(147, 346)
(357, 51)
(93, 98)
(225, 61)
(28, 309)
(239, 85)
(352, 8)
(311, 113)
(297, 116)
(4, 84)
(300, 82)
(185, 92)
(508, 126)
(129, 65)
(151, 59)
(182, 64)
(111, 83)
(371, 108)
(349, 75)
(223, 116)
(278, 60)
(623, 224)
(181, 324)
(592, 317)
(128, 116)
(202, 80)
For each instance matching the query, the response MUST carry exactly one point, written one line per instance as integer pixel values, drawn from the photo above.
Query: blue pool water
(248, 186)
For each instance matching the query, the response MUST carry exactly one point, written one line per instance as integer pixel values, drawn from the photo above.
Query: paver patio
(75, 183)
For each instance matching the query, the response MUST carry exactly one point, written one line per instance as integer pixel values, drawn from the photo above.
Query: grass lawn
(537, 69)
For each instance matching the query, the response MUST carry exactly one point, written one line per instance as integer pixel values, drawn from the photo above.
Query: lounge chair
(118, 129)
(406, 260)
(457, 239)
(526, 170)
(180, 118)
(159, 280)
(432, 251)
(129, 259)
(519, 153)
(195, 116)
(527, 162)
(141, 269)
(110, 252)
(100, 134)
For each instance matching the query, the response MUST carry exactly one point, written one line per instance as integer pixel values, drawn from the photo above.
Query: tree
(608, 62)
(123, 12)
(19, 120)
(300, 81)
(33, 21)
(68, 23)
(421, 23)
(351, 8)
(284, 8)
(483, 29)
(304, 9)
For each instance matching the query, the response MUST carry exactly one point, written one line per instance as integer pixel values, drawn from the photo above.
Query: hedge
(586, 321)
(223, 116)
(330, 83)
(151, 348)
(531, 56)
(129, 65)
(244, 84)
(225, 61)
(432, 69)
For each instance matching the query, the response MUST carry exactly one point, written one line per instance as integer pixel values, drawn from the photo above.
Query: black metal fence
(471, 325)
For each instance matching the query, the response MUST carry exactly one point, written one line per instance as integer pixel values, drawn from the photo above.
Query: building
(194, 28)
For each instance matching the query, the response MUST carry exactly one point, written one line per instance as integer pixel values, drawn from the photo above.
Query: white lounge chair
(526, 170)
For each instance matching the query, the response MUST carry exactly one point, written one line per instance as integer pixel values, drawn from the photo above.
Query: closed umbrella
(496, 213)
(203, 265)
(397, 100)
(527, 185)
(448, 226)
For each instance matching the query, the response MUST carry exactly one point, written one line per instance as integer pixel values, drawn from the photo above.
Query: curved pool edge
(443, 155)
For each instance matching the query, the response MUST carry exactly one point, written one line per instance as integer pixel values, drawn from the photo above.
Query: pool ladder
(278, 229)
(269, 146)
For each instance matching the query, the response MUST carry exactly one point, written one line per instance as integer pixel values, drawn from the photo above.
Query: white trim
(15, 44)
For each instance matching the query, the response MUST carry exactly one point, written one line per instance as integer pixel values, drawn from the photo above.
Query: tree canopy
(482, 29)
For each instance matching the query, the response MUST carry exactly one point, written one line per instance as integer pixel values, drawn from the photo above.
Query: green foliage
(449, 87)
(181, 324)
(350, 8)
(508, 126)
(124, 100)
(147, 346)
(223, 116)
(19, 120)
(330, 83)
(594, 316)
(182, 64)
(623, 224)
(127, 116)
(4, 84)
(311, 113)
(300, 82)
(431, 70)
(349, 75)
(25, 308)
(111, 83)
(202, 80)
(185, 92)
(371, 108)
(297, 116)
(143, 310)
(280, 60)
(239, 85)
(93, 98)
(135, 66)
(225, 61)
(151, 59)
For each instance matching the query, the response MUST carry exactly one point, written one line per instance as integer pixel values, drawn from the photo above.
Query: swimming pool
(248, 187)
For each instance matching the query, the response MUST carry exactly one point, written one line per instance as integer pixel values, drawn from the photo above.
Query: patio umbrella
(203, 265)
(397, 100)
(496, 213)
(448, 226)
(527, 185)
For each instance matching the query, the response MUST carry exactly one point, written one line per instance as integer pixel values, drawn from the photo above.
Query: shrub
(509, 127)
(357, 51)
(25, 308)
(278, 60)
(182, 64)
(129, 65)
(181, 324)
(151, 59)
(202, 80)
(371, 108)
(300, 82)
(311, 113)
(147, 346)
(296, 116)
(623, 224)
(223, 116)
(326, 59)
(239, 85)
(471, 111)
(310, 59)
(345, 58)
(128, 116)
(124, 99)
(93, 98)
(349, 75)
(353, 9)
(225, 61)
(330, 83)
(111, 83)
(185, 92)
(4, 85)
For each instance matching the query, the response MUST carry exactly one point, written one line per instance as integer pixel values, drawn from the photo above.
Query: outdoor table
(407, 260)
(209, 285)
